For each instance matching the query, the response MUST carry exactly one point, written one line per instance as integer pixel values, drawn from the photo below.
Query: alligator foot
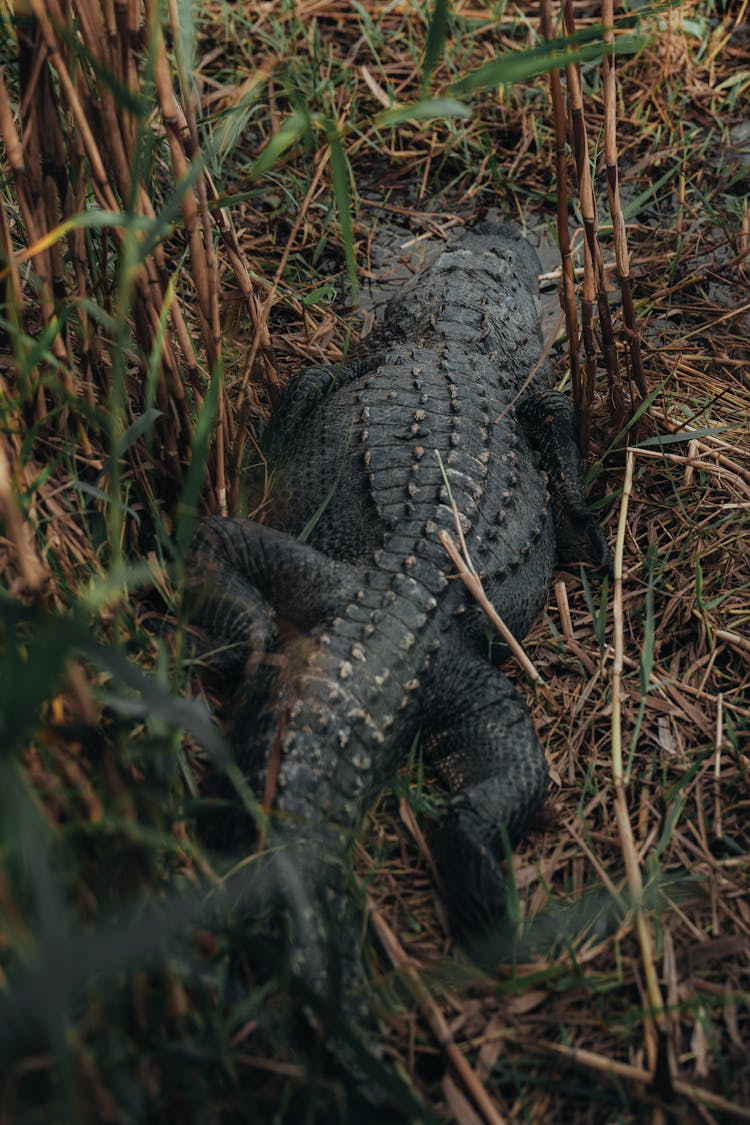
(549, 421)
(482, 742)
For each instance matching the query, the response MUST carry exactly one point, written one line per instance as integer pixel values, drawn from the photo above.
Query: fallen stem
(474, 585)
(432, 1015)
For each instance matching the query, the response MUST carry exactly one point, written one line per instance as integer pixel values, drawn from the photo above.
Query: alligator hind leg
(240, 572)
(481, 740)
(549, 421)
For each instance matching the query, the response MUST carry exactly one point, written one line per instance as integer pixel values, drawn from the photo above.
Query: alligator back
(435, 402)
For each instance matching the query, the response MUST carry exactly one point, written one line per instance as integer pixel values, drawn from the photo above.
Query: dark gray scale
(462, 327)
(394, 637)
(429, 572)
(412, 605)
(394, 459)
(400, 495)
(353, 626)
(399, 544)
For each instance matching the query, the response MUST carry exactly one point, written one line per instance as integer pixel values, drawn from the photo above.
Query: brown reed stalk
(212, 270)
(82, 140)
(593, 284)
(17, 531)
(172, 117)
(653, 1018)
(579, 144)
(474, 585)
(567, 280)
(615, 206)
(14, 156)
(28, 176)
(14, 297)
(433, 1017)
(699, 1096)
(244, 412)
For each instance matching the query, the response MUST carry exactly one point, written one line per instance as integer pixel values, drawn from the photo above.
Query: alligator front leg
(481, 740)
(302, 394)
(548, 418)
(308, 388)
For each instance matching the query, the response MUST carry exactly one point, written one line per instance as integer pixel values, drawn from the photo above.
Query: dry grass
(628, 992)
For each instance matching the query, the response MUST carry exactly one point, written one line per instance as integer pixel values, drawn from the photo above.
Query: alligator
(341, 606)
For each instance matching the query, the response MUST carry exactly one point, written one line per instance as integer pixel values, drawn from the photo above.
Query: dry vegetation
(626, 995)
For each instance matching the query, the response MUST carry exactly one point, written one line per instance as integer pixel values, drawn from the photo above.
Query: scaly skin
(370, 640)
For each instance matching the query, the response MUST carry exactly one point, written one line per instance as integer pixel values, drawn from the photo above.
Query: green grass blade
(188, 506)
(142, 425)
(435, 40)
(427, 109)
(683, 435)
(518, 66)
(341, 179)
(289, 132)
